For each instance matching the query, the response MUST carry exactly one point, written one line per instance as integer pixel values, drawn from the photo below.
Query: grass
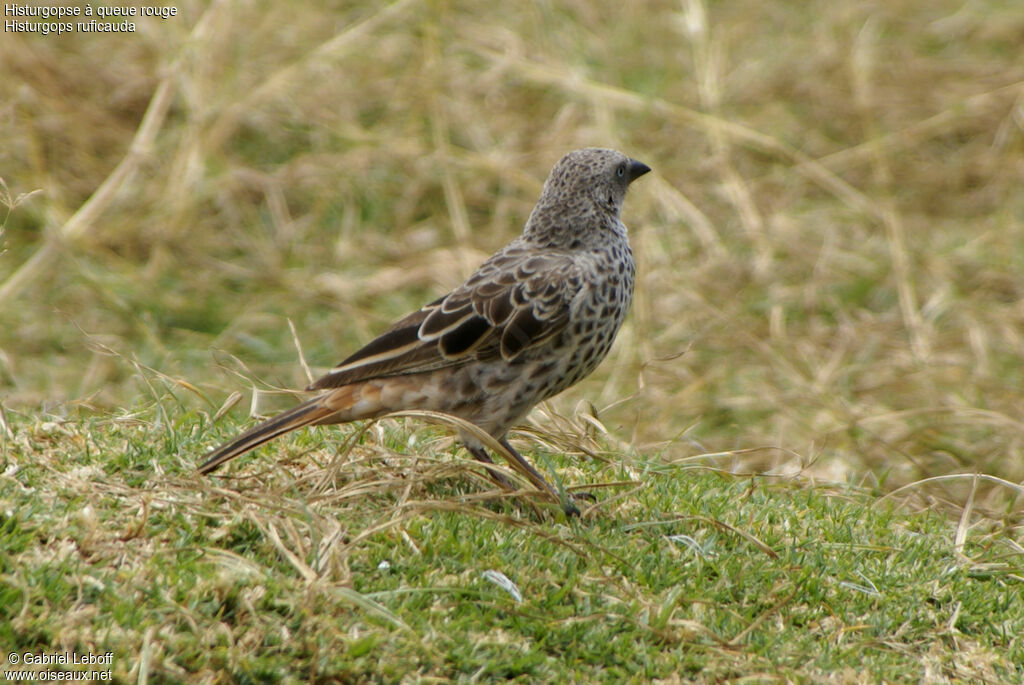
(807, 443)
(380, 569)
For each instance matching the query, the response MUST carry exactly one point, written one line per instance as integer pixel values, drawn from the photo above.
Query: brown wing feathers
(513, 301)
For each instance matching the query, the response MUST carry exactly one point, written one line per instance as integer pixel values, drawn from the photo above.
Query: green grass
(265, 574)
(818, 390)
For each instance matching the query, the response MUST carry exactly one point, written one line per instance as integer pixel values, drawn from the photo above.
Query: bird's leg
(538, 480)
(569, 507)
(480, 454)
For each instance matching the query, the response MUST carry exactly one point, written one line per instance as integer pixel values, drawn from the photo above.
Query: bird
(535, 318)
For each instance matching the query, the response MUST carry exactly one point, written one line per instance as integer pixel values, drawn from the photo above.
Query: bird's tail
(306, 414)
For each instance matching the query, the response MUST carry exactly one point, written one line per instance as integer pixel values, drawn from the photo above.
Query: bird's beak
(637, 169)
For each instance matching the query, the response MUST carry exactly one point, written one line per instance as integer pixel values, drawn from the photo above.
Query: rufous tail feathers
(306, 414)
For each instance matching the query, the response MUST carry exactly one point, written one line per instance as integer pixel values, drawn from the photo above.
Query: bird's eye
(621, 172)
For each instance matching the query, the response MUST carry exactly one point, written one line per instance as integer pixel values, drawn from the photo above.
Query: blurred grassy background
(831, 250)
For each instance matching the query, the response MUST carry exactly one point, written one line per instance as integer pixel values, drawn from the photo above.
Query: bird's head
(595, 174)
(585, 189)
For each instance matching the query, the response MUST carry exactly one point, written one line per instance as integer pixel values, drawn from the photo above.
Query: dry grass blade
(86, 215)
(83, 219)
(470, 429)
(4, 426)
(965, 522)
(742, 533)
(146, 655)
(282, 80)
(302, 357)
(1017, 488)
(962, 114)
(371, 607)
(268, 528)
(621, 97)
(765, 615)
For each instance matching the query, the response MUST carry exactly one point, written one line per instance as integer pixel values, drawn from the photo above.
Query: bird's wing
(517, 299)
